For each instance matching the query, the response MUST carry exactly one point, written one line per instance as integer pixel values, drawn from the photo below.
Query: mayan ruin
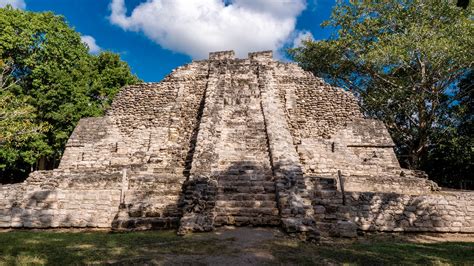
(242, 142)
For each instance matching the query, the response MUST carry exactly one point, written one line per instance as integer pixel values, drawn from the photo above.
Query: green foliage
(403, 59)
(21, 138)
(55, 81)
(451, 160)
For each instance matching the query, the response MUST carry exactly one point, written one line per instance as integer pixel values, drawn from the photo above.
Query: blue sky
(154, 37)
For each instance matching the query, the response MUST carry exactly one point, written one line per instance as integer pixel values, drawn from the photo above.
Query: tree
(109, 75)
(22, 140)
(48, 77)
(403, 59)
(451, 160)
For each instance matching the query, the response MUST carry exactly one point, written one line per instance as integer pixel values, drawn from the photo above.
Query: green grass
(158, 247)
(374, 253)
(64, 248)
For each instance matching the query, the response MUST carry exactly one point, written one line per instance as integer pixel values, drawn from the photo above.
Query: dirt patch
(245, 247)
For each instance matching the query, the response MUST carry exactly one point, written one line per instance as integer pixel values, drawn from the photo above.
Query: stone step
(246, 189)
(243, 172)
(244, 178)
(246, 203)
(228, 169)
(244, 139)
(157, 190)
(246, 128)
(244, 134)
(246, 183)
(249, 160)
(169, 181)
(247, 196)
(246, 220)
(231, 164)
(242, 211)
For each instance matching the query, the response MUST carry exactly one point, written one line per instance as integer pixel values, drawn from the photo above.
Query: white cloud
(302, 36)
(91, 43)
(197, 27)
(14, 3)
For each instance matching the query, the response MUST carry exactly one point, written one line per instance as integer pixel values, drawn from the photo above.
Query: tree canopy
(406, 61)
(48, 81)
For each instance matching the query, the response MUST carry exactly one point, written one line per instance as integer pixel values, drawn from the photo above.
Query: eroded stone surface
(229, 141)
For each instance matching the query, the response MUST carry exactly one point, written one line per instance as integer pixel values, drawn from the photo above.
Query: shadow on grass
(57, 248)
(374, 253)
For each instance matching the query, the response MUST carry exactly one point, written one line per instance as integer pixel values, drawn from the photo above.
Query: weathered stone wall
(352, 151)
(147, 124)
(363, 152)
(437, 212)
(394, 184)
(393, 212)
(126, 198)
(59, 208)
(51, 199)
(314, 108)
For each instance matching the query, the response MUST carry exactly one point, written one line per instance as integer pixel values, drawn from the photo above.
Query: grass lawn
(164, 247)
(377, 253)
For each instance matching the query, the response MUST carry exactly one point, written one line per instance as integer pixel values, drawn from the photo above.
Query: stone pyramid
(229, 141)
